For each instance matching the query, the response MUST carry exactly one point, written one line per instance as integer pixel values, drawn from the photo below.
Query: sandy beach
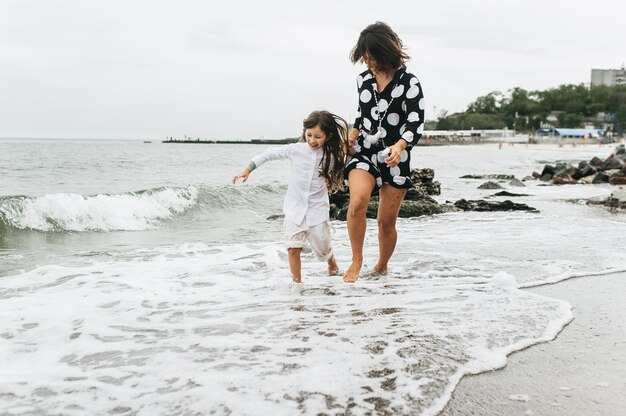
(581, 372)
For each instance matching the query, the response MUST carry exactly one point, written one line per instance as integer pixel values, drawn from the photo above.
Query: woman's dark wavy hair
(382, 44)
(334, 159)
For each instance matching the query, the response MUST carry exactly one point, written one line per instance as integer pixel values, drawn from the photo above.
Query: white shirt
(307, 196)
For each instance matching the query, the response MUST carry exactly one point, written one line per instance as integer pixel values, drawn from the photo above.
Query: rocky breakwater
(419, 201)
(610, 170)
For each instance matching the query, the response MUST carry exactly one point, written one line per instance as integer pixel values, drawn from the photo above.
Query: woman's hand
(395, 153)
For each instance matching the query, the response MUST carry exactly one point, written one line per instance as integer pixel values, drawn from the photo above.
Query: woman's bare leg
(295, 264)
(361, 185)
(388, 208)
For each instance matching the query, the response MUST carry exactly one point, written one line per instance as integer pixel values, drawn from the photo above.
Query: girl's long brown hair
(334, 159)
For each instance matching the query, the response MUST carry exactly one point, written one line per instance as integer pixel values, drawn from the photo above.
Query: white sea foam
(189, 329)
(504, 280)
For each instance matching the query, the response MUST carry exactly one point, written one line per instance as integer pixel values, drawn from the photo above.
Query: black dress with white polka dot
(398, 113)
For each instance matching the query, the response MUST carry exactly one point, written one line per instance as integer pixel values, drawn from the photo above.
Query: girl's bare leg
(390, 199)
(294, 264)
(333, 268)
(361, 185)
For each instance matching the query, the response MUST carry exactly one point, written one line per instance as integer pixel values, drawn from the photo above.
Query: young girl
(317, 163)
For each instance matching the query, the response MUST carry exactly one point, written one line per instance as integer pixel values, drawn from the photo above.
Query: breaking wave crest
(129, 211)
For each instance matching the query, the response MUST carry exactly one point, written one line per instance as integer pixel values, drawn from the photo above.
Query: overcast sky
(229, 69)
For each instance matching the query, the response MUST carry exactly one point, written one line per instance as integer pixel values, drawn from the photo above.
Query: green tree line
(522, 110)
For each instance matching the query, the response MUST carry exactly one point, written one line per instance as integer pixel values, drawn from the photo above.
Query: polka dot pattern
(414, 116)
(366, 96)
(408, 136)
(382, 105)
(413, 92)
(362, 166)
(398, 91)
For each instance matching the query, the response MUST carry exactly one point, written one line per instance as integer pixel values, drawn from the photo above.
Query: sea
(136, 279)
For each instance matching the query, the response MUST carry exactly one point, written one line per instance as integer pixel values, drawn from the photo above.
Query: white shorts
(318, 236)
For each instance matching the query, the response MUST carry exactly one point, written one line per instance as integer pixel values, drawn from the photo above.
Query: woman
(389, 122)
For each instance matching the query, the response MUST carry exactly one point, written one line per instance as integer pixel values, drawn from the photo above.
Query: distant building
(578, 133)
(457, 136)
(610, 77)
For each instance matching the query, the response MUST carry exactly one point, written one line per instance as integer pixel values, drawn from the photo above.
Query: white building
(610, 77)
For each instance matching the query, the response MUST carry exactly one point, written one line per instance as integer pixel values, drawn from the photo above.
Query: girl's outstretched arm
(273, 153)
(245, 173)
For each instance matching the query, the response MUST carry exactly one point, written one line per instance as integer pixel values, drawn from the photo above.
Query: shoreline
(581, 372)
(422, 142)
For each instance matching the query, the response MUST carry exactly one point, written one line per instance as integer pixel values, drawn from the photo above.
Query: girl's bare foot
(352, 274)
(333, 268)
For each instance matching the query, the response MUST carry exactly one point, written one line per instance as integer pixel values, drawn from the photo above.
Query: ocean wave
(130, 211)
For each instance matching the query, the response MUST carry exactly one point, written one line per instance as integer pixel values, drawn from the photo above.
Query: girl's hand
(395, 153)
(243, 176)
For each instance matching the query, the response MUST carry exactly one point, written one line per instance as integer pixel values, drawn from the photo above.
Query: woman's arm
(414, 125)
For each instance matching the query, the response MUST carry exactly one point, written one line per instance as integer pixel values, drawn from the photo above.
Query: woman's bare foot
(333, 268)
(352, 274)
(379, 271)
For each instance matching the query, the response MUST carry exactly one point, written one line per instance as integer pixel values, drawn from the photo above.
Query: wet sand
(581, 372)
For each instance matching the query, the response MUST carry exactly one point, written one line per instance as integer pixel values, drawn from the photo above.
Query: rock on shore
(610, 170)
(418, 200)
(617, 200)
